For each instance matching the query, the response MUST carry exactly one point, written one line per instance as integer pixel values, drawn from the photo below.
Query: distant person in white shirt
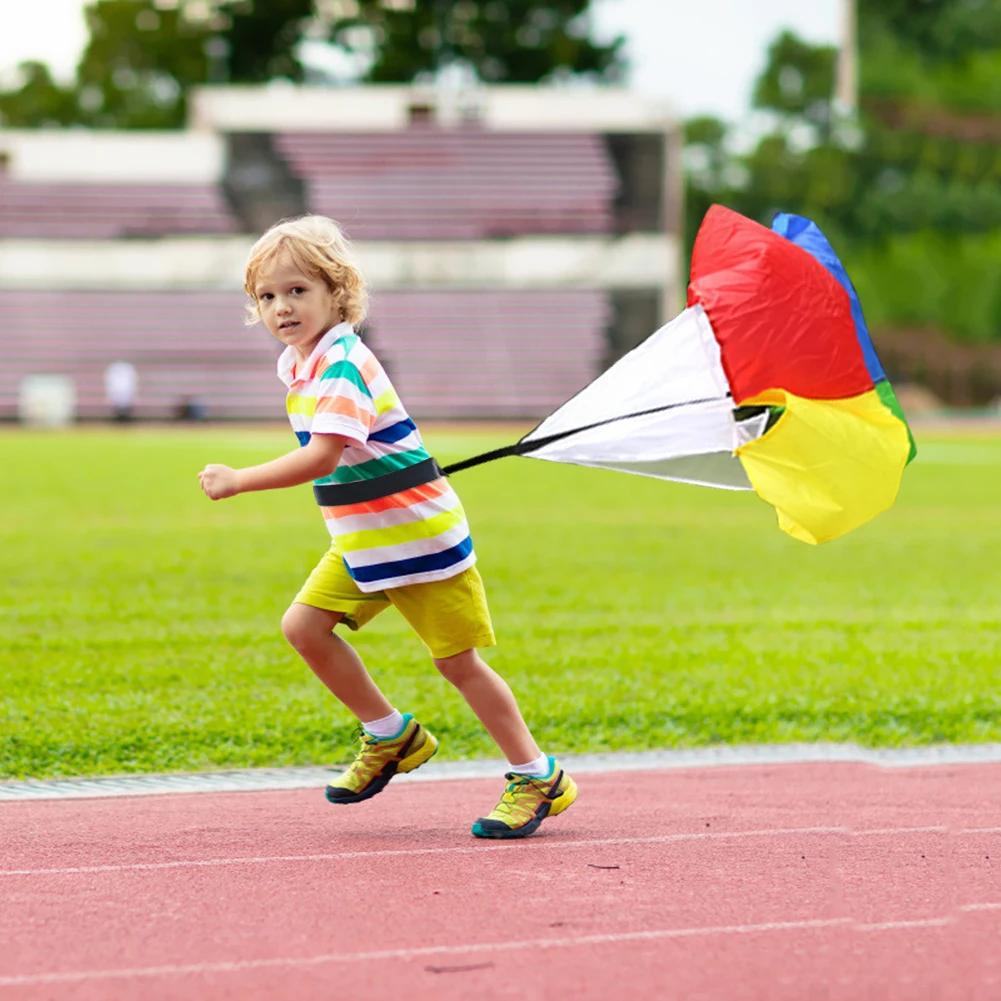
(120, 381)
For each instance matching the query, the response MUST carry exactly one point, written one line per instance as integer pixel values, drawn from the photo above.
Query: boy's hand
(318, 458)
(218, 481)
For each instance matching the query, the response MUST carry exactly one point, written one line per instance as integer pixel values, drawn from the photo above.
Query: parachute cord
(524, 447)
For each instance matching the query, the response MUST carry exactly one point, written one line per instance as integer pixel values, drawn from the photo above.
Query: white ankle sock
(388, 726)
(537, 769)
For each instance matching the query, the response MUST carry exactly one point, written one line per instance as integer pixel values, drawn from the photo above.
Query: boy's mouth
(288, 324)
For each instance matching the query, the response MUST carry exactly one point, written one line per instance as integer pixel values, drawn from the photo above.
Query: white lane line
(936, 829)
(540, 843)
(980, 907)
(616, 938)
(23, 980)
(915, 923)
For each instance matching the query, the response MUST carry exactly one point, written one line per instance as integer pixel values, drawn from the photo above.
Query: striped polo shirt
(410, 537)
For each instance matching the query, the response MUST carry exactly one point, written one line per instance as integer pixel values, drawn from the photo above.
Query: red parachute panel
(781, 319)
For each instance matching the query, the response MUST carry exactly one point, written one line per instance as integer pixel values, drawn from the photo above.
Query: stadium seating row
(416, 184)
(451, 353)
(104, 212)
(455, 185)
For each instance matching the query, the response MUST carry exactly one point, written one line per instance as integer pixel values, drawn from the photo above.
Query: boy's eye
(298, 289)
(267, 297)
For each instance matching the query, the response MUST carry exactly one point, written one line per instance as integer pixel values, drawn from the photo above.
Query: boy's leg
(540, 790)
(452, 618)
(310, 631)
(491, 699)
(390, 741)
(338, 666)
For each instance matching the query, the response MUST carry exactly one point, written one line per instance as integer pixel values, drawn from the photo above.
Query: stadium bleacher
(563, 182)
(108, 212)
(489, 353)
(450, 353)
(455, 185)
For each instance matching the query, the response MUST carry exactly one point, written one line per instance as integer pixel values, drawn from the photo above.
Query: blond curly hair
(317, 246)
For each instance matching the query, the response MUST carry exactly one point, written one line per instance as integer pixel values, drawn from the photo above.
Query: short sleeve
(344, 403)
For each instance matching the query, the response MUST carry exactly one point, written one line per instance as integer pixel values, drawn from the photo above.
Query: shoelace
(508, 800)
(367, 741)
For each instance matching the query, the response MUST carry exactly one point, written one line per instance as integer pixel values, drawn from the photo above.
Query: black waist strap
(360, 491)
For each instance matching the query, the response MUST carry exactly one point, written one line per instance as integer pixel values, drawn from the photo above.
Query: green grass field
(139, 622)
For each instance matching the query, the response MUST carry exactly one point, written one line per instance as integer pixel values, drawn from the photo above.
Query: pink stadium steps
(427, 184)
(105, 211)
(514, 354)
(490, 354)
(187, 344)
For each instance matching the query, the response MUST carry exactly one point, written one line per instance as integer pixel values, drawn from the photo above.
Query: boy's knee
(303, 625)
(459, 667)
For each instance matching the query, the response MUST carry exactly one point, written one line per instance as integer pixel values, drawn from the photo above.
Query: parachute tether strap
(524, 447)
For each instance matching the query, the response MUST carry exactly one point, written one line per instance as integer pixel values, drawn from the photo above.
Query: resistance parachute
(768, 381)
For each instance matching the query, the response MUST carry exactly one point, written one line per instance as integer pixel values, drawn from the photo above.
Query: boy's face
(297, 309)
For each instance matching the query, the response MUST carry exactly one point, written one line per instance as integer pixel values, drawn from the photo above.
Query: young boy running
(399, 534)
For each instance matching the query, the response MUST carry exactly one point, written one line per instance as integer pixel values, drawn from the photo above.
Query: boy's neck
(301, 359)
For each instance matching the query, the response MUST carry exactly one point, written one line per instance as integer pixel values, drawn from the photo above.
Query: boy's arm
(318, 458)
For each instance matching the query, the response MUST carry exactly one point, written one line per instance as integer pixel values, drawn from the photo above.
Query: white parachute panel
(691, 435)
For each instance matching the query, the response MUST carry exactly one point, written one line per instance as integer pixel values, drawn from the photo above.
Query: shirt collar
(286, 360)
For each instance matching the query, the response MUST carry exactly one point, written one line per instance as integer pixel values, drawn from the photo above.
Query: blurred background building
(517, 214)
(517, 240)
(523, 216)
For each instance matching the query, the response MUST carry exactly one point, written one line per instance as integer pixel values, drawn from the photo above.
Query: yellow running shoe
(379, 759)
(526, 802)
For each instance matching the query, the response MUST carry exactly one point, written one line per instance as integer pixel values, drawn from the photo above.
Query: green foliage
(950, 282)
(260, 40)
(798, 81)
(500, 41)
(937, 30)
(799, 165)
(37, 100)
(137, 64)
(893, 68)
(139, 621)
(144, 56)
(910, 193)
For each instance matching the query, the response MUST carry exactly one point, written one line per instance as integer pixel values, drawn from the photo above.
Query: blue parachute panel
(806, 234)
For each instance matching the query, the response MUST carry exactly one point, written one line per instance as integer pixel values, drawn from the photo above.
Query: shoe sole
(412, 761)
(415, 760)
(550, 809)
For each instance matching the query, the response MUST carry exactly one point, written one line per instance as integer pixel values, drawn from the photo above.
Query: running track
(806, 882)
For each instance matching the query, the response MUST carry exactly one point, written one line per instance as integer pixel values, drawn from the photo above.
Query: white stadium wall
(637, 260)
(388, 108)
(80, 156)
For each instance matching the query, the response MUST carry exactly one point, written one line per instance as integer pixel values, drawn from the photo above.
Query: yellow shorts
(448, 615)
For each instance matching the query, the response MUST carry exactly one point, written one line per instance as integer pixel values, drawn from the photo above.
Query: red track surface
(798, 882)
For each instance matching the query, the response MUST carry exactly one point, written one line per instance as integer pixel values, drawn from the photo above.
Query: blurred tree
(708, 162)
(929, 170)
(798, 82)
(936, 29)
(143, 56)
(909, 192)
(916, 160)
(138, 63)
(797, 163)
(509, 41)
(37, 100)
